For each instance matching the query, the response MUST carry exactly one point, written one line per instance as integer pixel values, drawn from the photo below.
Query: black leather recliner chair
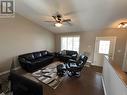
(65, 55)
(33, 61)
(74, 67)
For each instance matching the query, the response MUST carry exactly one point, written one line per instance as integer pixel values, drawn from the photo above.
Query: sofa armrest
(71, 60)
(26, 64)
(74, 55)
(23, 60)
(59, 53)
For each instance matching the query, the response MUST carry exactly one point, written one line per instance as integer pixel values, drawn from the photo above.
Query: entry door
(103, 46)
(125, 59)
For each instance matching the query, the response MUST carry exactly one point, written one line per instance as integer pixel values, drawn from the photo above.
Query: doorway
(124, 67)
(103, 46)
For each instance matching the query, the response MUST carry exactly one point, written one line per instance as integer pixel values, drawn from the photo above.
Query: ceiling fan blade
(123, 23)
(49, 21)
(69, 23)
(66, 20)
(54, 18)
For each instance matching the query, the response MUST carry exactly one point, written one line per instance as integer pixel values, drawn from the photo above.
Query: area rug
(48, 75)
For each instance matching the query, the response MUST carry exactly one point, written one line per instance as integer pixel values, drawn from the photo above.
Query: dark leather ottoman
(61, 70)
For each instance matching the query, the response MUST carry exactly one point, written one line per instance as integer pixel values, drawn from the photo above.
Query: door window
(104, 46)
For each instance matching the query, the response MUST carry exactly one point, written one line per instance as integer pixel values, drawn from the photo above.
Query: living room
(33, 29)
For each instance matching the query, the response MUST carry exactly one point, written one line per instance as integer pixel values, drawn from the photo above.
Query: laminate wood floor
(89, 83)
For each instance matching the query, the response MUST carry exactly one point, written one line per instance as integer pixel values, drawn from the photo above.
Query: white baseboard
(96, 65)
(89, 61)
(105, 92)
(6, 72)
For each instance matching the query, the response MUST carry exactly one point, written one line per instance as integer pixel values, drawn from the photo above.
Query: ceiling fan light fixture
(122, 25)
(58, 24)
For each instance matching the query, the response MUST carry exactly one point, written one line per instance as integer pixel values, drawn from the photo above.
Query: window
(70, 43)
(104, 47)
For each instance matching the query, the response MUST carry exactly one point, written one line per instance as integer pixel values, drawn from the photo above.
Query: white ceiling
(86, 15)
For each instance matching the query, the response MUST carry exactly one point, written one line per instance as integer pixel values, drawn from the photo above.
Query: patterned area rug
(48, 75)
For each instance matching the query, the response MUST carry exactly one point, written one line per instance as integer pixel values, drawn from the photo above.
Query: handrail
(121, 74)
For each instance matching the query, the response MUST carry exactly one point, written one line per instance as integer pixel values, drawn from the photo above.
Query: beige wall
(87, 42)
(19, 35)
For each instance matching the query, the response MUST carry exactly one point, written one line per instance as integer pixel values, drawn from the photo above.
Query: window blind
(70, 43)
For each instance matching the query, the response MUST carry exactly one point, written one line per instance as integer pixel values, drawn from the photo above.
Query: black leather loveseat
(65, 55)
(35, 60)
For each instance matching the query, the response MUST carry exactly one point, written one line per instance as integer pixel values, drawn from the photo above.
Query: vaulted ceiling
(86, 15)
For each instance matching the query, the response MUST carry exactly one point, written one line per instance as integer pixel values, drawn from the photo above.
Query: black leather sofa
(65, 55)
(35, 60)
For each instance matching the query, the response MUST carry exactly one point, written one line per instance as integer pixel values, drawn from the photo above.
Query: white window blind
(70, 43)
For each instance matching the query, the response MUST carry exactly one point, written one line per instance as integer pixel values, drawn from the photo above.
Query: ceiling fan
(59, 20)
(122, 25)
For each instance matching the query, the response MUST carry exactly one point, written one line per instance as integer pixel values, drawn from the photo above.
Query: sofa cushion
(43, 53)
(37, 55)
(29, 56)
(25, 60)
